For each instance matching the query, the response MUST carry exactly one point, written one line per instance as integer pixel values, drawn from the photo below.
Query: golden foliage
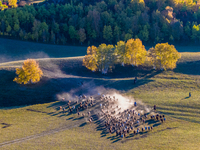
(12, 3)
(90, 60)
(29, 73)
(164, 56)
(106, 57)
(135, 52)
(190, 4)
(121, 52)
(138, 1)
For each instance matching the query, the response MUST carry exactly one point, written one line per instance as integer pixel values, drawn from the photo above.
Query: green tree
(93, 34)
(164, 56)
(29, 73)
(107, 33)
(117, 32)
(165, 30)
(144, 34)
(21, 34)
(127, 36)
(36, 29)
(64, 29)
(177, 30)
(187, 29)
(63, 39)
(16, 28)
(44, 31)
(55, 27)
(8, 29)
(72, 33)
(53, 38)
(171, 38)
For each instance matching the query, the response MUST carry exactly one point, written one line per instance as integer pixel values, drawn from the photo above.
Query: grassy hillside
(13, 50)
(42, 126)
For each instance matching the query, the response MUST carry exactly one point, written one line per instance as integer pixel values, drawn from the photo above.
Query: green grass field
(30, 119)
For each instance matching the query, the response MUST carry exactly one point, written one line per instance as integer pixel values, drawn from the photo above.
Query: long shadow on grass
(75, 67)
(190, 68)
(194, 110)
(146, 134)
(182, 116)
(13, 94)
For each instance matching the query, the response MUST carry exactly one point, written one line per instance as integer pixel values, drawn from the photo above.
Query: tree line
(104, 57)
(108, 21)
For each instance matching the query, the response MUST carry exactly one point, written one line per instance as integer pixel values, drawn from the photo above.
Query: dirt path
(53, 131)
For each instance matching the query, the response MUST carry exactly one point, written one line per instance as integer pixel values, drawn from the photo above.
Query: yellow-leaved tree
(135, 52)
(29, 73)
(121, 53)
(164, 56)
(106, 58)
(12, 3)
(90, 60)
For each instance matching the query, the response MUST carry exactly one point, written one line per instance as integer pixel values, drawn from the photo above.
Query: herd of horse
(113, 116)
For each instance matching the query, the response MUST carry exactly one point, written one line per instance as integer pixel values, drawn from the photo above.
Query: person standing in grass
(154, 107)
(135, 80)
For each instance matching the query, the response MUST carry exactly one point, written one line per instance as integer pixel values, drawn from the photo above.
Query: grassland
(36, 122)
(14, 50)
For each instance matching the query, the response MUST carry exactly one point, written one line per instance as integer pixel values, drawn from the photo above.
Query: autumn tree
(106, 58)
(164, 56)
(121, 53)
(90, 60)
(195, 32)
(12, 3)
(29, 73)
(2, 6)
(135, 52)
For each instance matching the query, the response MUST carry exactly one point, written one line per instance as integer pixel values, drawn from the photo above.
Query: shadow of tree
(118, 71)
(46, 90)
(189, 68)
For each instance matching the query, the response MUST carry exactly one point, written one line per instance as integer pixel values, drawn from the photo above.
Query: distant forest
(95, 21)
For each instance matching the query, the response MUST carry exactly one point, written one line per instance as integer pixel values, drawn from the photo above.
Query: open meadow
(30, 117)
